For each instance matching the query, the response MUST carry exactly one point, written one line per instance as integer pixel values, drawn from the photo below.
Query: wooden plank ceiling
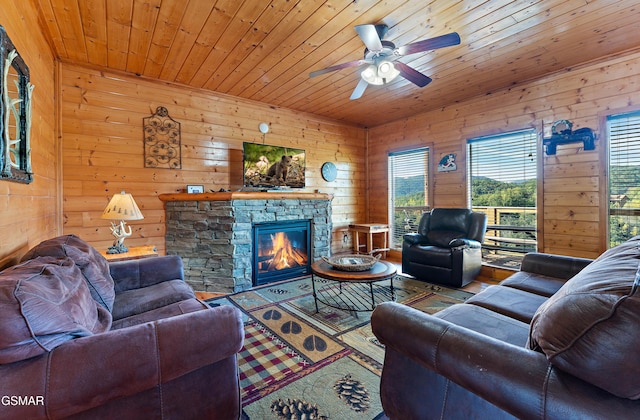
(264, 50)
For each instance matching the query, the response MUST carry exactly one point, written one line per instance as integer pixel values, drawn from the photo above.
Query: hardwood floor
(208, 295)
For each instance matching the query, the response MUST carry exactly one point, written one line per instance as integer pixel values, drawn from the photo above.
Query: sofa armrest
(519, 381)
(91, 371)
(463, 242)
(550, 265)
(413, 238)
(135, 274)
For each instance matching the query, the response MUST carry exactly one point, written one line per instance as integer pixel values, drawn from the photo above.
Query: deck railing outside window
(405, 220)
(511, 233)
(624, 223)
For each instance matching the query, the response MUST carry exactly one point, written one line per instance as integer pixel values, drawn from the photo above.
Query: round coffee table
(358, 293)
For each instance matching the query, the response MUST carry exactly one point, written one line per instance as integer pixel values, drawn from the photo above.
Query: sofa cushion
(136, 301)
(589, 328)
(514, 303)
(93, 266)
(443, 238)
(168, 311)
(430, 255)
(534, 283)
(445, 225)
(487, 322)
(45, 302)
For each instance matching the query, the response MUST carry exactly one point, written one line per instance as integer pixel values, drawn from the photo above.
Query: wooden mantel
(245, 195)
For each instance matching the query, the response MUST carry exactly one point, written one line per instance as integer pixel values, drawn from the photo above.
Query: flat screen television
(267, 166)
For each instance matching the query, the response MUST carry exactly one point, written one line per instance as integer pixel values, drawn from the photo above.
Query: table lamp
(121, 207)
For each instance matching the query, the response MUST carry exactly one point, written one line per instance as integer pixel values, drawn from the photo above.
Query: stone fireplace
(214, 233)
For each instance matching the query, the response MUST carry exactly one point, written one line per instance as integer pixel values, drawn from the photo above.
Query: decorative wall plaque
(447, 163)
(561, 133)
(161, 141)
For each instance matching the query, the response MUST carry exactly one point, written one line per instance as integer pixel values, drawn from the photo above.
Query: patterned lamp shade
(122, 207)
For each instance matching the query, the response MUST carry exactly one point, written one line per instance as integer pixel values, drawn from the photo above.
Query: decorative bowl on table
(352, 262)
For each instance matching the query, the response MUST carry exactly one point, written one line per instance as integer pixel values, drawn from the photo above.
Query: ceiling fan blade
(369, 35)
(359, 90)
(430, 44)
(382, 30)
(412, 75)
(355, 63)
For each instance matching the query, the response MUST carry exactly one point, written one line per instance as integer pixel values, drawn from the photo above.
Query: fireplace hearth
(280, 251)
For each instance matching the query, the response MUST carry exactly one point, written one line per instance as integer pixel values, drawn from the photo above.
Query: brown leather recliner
(447, 247)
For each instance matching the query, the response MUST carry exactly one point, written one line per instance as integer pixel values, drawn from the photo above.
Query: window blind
(408, 192)
(502, 183)
(623, 132)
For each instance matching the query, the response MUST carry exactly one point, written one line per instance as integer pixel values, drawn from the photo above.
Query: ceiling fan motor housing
(387, 51)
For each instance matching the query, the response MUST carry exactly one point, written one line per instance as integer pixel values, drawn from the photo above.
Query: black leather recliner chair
(447, 247)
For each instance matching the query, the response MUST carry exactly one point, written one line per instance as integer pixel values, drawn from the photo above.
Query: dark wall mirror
(15, 118)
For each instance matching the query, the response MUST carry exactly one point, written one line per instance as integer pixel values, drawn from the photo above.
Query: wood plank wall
(103, 151)
(30, 212)
(572, 186)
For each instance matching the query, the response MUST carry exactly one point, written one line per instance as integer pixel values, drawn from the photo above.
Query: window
(623, 133)
(502, 183)
(408, 192)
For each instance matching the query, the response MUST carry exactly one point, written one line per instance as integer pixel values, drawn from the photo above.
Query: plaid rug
(323, 364)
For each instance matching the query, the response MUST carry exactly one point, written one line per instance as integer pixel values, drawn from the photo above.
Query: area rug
(299, 363)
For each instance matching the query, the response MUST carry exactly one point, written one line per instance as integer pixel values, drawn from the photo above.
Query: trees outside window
(408, 192)
(623, 135)
(502, 183)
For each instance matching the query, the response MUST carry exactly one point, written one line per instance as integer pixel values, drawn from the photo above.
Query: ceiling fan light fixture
(387, 71)
(370, 75)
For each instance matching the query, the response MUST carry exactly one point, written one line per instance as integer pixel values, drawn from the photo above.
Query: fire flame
(284, 253)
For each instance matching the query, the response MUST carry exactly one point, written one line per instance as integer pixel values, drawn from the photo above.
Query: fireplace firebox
(281, 250)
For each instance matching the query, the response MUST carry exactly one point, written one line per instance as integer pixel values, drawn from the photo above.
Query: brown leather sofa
(447, 247)
(83, 338)
(559, 339)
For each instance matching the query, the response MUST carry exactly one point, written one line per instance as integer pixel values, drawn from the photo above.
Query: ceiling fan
(380, 58)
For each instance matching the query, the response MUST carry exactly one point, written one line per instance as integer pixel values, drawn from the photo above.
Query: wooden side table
(370, 229)
(135, 253)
